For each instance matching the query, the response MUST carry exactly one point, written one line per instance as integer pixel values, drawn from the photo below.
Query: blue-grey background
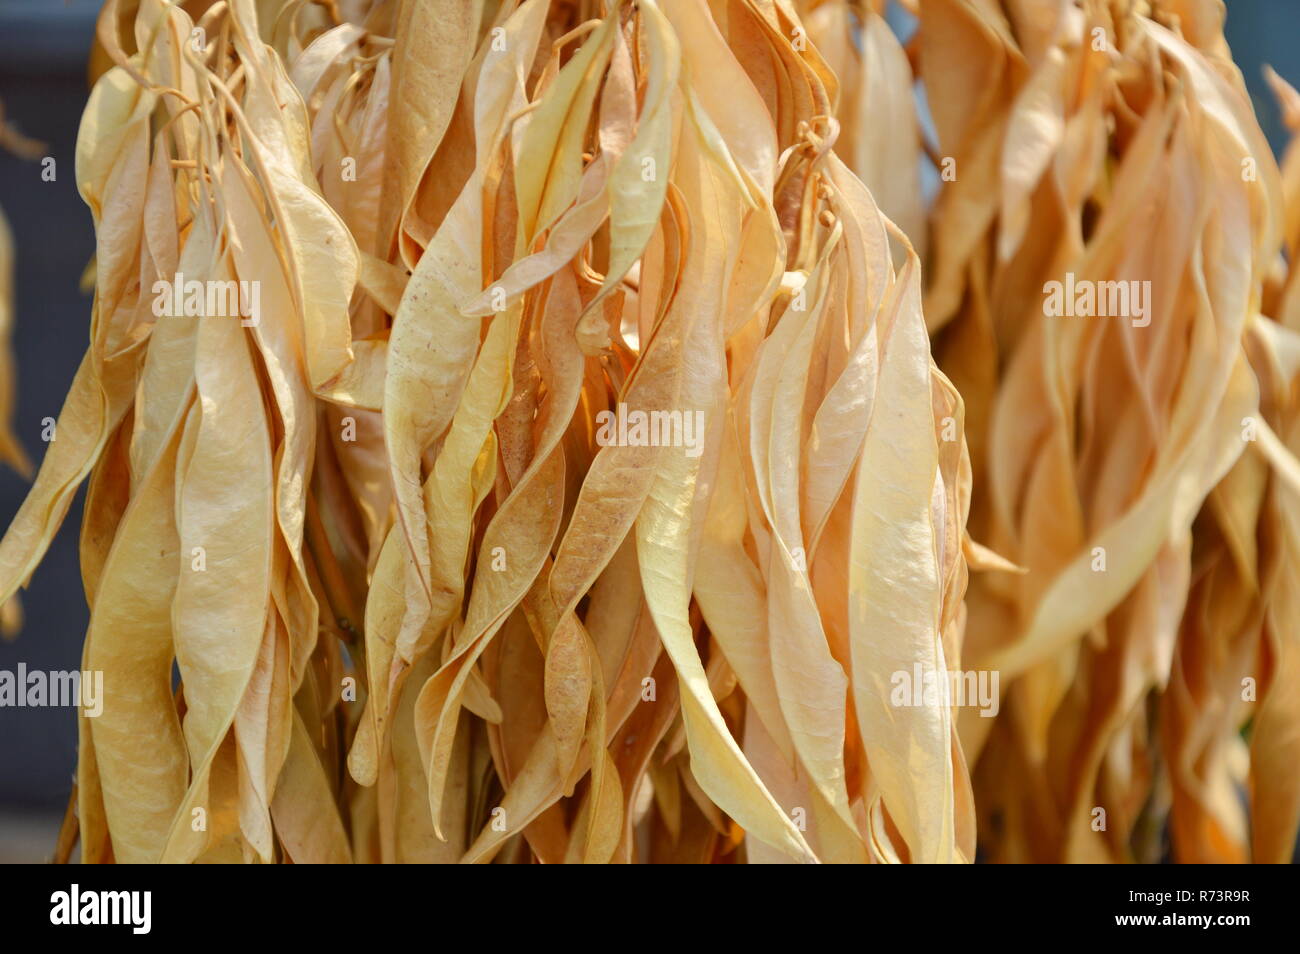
(43, 48)
(43, 51)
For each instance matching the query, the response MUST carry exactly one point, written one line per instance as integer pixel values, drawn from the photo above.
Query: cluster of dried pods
(512, 435)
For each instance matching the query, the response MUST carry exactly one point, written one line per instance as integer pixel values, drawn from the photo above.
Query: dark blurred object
(1264, 32)
(39, 37)
(43, 48)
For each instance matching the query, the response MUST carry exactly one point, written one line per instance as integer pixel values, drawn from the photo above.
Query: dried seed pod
(1098, 260)
(517, 425)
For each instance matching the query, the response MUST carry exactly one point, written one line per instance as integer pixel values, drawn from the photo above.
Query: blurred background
(43, 51)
